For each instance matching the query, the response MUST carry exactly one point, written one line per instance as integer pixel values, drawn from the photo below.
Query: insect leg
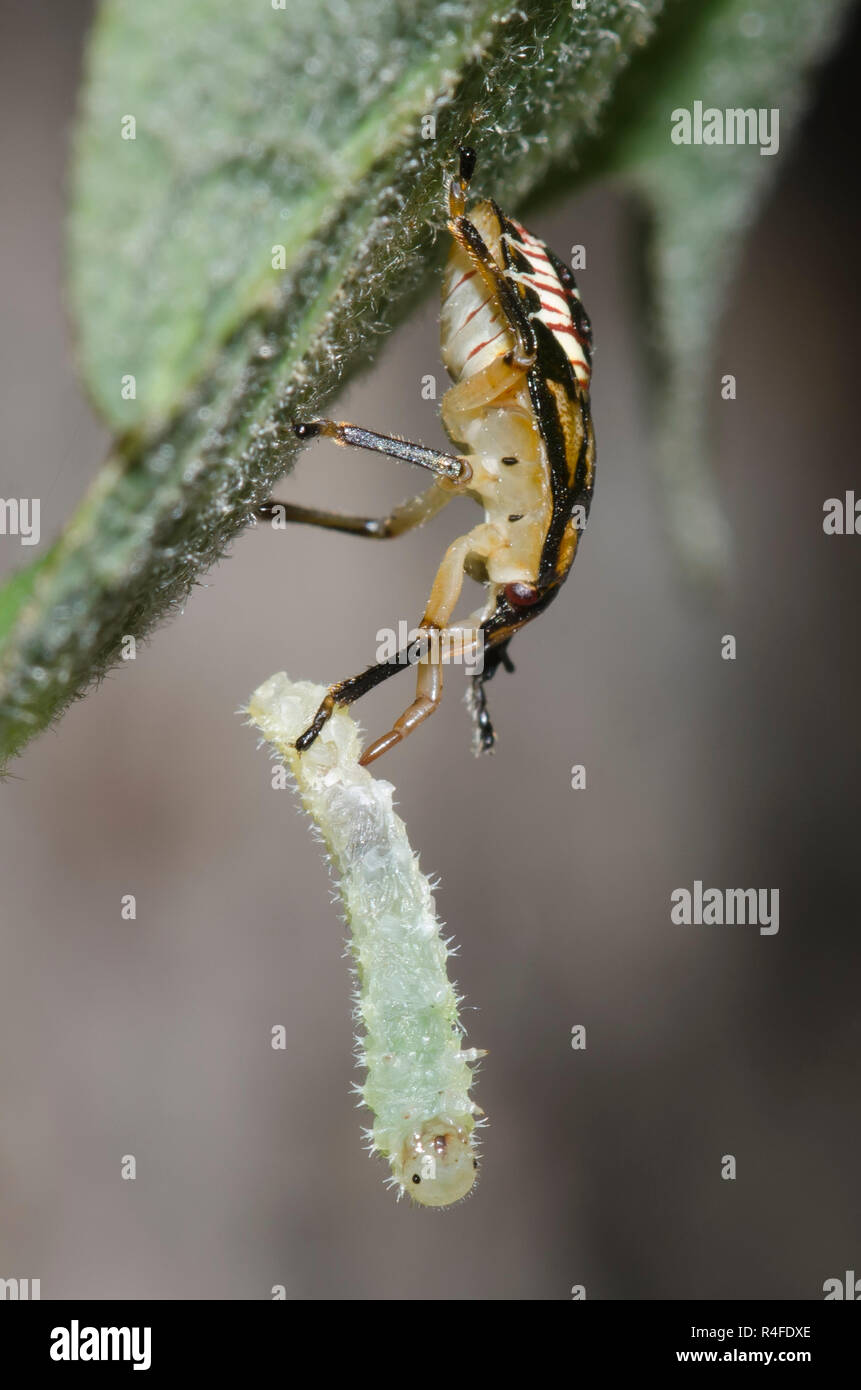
(445, 593)
(443, 597)
(402, 518)
(477, 392)
(450, 466)
(345, 693)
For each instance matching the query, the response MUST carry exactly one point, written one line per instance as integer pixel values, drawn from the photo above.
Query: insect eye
(522, 595)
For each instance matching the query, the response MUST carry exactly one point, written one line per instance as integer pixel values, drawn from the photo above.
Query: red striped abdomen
(472, 332)
(556, 301)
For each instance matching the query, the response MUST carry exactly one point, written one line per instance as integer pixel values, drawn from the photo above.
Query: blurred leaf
(701, 199)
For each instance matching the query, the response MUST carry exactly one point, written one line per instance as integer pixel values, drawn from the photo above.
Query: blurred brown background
(152, 1037)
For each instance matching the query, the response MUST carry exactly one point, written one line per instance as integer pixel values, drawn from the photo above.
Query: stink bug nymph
(517, 342)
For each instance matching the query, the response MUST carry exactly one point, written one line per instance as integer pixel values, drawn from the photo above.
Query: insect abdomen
(558, 304)
(472, 330)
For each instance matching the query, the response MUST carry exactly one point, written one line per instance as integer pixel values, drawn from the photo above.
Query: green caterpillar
(418, 1072)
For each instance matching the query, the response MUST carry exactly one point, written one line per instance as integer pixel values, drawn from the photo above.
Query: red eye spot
(522, 595)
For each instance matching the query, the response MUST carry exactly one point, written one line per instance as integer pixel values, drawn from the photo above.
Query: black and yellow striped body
(517, 342)
(553, 393)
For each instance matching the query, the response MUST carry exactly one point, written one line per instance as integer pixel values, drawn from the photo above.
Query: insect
(517, 342)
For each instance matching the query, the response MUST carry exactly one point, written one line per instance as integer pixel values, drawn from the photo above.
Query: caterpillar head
(437, 1165)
